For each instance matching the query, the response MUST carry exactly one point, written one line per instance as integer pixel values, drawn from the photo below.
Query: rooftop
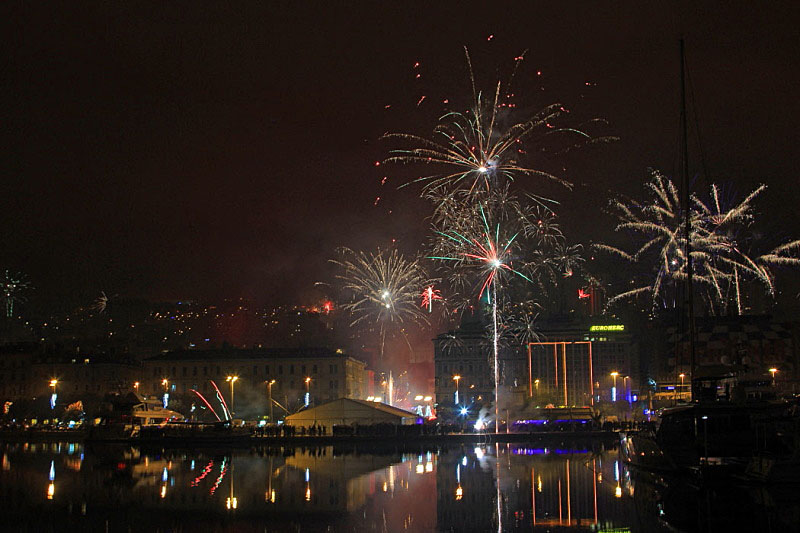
(248, 353)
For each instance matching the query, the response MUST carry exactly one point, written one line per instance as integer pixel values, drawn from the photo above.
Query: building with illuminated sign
(574, 360)
(570, 364)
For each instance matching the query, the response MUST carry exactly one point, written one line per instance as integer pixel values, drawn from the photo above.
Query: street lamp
(136, 386)
(681, 375)
(456, 378)
(270, 383)
(308, 391)
(53, 383)
(231, 380)
(165, 399)
(614, 388)
(773, 371)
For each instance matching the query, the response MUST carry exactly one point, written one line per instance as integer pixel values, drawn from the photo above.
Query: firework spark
(428, 296)
(11, 285)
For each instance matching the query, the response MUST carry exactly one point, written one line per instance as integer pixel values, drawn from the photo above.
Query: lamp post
(270, 383)
(308, 391)
(456, 378)
(231, 380)
(165, 398)
(626, 388)
(682, 376)
(53, 383)
(136, 386)
(773, 371)
(614, 375)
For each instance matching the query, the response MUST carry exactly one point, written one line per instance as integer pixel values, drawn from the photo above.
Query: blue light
(307, 399)
(464, 411)
(613, 394)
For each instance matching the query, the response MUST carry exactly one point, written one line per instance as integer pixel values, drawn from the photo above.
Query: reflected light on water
(475, 487)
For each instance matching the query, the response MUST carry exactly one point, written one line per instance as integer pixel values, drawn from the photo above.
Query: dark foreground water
(480, 487)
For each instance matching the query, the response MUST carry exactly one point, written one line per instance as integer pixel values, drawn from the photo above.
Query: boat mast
(687, 222)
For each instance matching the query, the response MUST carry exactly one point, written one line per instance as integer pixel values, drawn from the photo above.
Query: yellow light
(51, 490)
(418, 397)
(429, 467)
(232, 379)
(163, 491)
(428, 398)
(459, 492)
(53, 382)
(308, 494)
(385, 486)
(456, 378)
(420, 469)
(773, 370)
(539, 484)
(614, 374)
(608, 327)
(272, 496)
(618, 492)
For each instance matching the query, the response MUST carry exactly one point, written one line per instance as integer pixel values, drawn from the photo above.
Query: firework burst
(491, 255)
(429, 295)
(382, 289)
(473, 150)
(101, 303)
(12, 285)
(721, 243)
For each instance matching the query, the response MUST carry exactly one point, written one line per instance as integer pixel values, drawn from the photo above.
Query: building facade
(298, 376)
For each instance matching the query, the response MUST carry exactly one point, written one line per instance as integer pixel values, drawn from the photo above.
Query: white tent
(346, 411)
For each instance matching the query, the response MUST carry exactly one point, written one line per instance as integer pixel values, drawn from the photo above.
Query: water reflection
(479, 487)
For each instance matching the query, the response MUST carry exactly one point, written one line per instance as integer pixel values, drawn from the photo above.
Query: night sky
(209, 150)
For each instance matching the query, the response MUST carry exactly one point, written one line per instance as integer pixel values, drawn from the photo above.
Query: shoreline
(308, 440)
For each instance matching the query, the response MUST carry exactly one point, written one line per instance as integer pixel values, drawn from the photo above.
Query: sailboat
(714, 434)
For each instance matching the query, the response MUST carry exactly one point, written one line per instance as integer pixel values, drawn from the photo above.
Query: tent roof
(354, 405)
